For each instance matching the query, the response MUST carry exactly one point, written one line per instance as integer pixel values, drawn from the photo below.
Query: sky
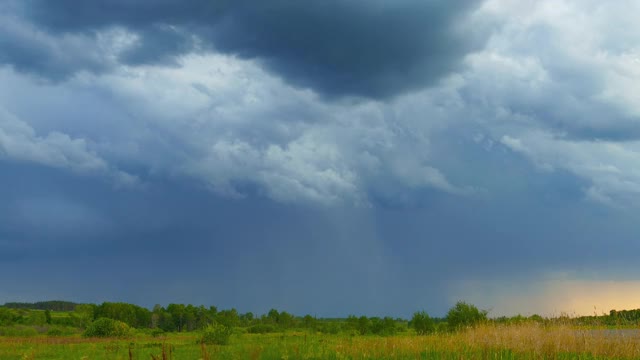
(328, 157)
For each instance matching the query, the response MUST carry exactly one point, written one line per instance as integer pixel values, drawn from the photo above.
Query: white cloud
(558, 83)
(613, 168)
(229, 124)
(19, 142)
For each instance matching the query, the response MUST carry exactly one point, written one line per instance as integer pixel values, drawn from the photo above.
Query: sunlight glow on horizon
(551, 298)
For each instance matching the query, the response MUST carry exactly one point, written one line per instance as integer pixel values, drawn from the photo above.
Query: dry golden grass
(528, 340)
(541, 340)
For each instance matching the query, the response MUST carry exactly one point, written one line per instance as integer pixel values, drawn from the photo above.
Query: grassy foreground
(528, 341)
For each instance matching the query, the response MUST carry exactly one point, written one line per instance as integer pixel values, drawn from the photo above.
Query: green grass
(488, 342)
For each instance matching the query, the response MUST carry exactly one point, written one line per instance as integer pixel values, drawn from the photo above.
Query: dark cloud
(173, 243)
(159, 44)
(355, 48)
(29, 49)
(247, 192)
(335, 47)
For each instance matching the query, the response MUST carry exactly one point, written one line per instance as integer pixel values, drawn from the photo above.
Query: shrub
(261, 329)
(463, 315)
(442, 327)
(384, 327)
(216, 334)
(329, 328)
(422, 323)
(8, 316)
(18, 330)
(61, 331)
(55, 332)
(105, 327)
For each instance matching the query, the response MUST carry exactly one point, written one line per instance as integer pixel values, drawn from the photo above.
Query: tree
(229, 318)
(84, 314)
(309, 321)
(364, 325)
(47, 316)
(285, 320)
(463, 315)
(273, 316)
(246, 319)
(177, 312)
(132, 315)
(422, 323)
(385, 326)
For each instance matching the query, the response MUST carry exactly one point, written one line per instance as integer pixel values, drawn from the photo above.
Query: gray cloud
(519, 165)
(159, 45)
(571, 77)
(238, 130)
(557, 92)
(30, 49)
(19, 142)
(336, 48)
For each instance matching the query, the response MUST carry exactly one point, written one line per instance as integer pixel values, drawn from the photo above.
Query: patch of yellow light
(551, 297)
(586, 297)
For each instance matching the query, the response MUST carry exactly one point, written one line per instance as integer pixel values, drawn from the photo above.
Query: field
(524, 341)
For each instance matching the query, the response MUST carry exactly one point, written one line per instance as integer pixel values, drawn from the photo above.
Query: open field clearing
(528, 341)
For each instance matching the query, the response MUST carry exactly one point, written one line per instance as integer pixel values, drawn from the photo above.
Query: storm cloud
(336, 47)
(328, 157)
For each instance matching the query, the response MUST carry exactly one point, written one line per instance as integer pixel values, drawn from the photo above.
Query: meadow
(490, 341)
(112, 331)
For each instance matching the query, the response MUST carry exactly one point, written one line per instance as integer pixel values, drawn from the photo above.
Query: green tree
(84, 314)
(463, 315)
(273, 316)
(47, 316)
(285, 320)
(364, 325)
(309, 322)
(246, 319)
(422, 323)
(177, 312)
(229, 318)
(132, 315)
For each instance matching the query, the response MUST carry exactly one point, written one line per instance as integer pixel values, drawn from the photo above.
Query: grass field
(529, 341)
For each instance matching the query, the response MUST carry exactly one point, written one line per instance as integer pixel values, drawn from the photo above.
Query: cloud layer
(335, 47)
(398, 146)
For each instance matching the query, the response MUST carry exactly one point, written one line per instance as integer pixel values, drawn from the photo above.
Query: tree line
(186, 318)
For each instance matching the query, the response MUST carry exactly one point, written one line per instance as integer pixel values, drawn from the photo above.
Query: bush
(18, 330)
(8, 316)
(105, 327)
(329, 328)
(384, 327)
(422, 323)
(55, 332)
(442, 327)
(465, 315)
(216, 334)
(261, 329)
(61, 331)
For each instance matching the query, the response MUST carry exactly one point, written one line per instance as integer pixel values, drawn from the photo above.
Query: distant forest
(55, 305)
(184, 318)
